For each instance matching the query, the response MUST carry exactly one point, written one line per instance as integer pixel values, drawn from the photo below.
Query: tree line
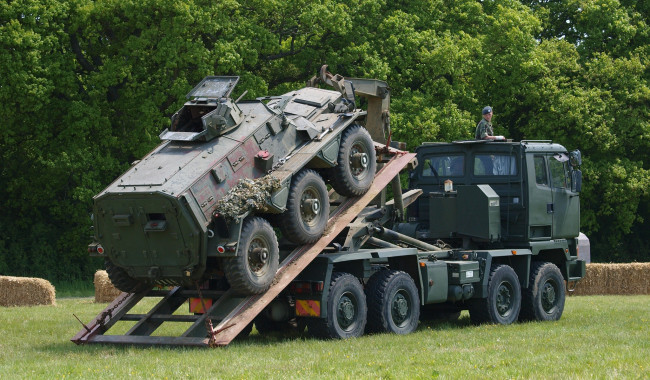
(86, 87)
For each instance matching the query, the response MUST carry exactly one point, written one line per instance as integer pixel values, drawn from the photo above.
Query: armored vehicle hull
(200, 204)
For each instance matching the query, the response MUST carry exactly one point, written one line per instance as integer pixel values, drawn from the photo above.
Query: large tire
(122, 281)
(253, 269)
(308, 208)
(393, 303)
(356, 163)
(503, 301)
(544, 298)
(346, 310)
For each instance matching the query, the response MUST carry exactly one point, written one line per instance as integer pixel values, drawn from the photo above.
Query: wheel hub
(261, 253)
(504, 299)
(400, 309)
(258, 256)
(548, 297)
(346, 311)
(359, 160)
(310, 206)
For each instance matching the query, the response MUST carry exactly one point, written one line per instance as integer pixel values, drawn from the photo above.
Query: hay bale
(26, 291)
(104, 289)
(621, 279)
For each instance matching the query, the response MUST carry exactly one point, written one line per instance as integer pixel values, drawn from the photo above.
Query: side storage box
(462, 272)
(434, 281)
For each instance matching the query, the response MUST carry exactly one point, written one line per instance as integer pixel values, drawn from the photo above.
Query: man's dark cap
(487, 110)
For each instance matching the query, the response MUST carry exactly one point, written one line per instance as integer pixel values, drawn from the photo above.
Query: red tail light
(306, 287)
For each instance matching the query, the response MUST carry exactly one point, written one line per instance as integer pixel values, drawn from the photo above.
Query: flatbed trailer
(231, 313)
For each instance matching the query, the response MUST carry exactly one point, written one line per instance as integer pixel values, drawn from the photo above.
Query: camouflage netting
(248, 195)
(104, 289)
(26, 291)
(615, 279)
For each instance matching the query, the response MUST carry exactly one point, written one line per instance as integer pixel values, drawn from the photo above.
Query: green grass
(598, 337)
(79, 288)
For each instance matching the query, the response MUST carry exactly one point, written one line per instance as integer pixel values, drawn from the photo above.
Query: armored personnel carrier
(207, 202)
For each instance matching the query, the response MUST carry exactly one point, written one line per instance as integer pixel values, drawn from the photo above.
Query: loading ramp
(231, 312)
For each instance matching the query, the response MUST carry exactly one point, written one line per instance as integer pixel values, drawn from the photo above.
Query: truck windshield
(495, 164)
(444, 166)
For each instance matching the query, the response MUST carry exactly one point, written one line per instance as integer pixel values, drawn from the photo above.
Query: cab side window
(558, 174)
(541, 177)
(495, 164)
(444, 166)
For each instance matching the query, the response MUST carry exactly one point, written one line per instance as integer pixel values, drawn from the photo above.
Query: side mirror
(575, 158)
(576, 181)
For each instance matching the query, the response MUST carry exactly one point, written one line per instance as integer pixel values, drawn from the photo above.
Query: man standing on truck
(484, 128)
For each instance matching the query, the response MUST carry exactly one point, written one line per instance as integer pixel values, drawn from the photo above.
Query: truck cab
(493, 195)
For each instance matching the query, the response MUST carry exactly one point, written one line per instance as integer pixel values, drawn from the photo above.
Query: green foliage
(87, 86)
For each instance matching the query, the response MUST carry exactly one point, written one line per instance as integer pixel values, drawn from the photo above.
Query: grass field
(598, 337)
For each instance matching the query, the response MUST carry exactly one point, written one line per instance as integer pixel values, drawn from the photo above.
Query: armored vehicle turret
(207, 201)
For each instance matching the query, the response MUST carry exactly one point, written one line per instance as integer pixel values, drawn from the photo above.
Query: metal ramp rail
(233, 312)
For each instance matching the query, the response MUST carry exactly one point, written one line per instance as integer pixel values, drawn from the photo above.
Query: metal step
(162, 317)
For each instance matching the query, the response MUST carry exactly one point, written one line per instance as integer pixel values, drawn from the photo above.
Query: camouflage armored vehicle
(205, 202)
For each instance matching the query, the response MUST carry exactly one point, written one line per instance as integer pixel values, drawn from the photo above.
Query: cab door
(540, 206)
(566, 204)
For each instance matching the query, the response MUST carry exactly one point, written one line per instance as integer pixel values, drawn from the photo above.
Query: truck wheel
(353, 174)
(544, 298)
(308, 208)
(254, 267)
(346, 310)
(503, 301)
(122, 281)
(393, 303)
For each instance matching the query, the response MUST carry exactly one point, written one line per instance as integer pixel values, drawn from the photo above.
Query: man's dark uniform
(483, 129)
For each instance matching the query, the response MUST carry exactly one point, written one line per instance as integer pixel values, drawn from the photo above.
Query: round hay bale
(622, 279)
(104, 289)
(26, 291)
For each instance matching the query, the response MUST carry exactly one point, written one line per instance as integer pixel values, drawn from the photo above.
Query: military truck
(496, 232)
(490, 227)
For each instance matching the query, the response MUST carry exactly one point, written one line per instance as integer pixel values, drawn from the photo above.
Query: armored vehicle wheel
(393, 303)
(353, 174)
(346, 310)
(121, 280)
(503, 300)
(544, 298)
(254, 267)
(308, 208)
